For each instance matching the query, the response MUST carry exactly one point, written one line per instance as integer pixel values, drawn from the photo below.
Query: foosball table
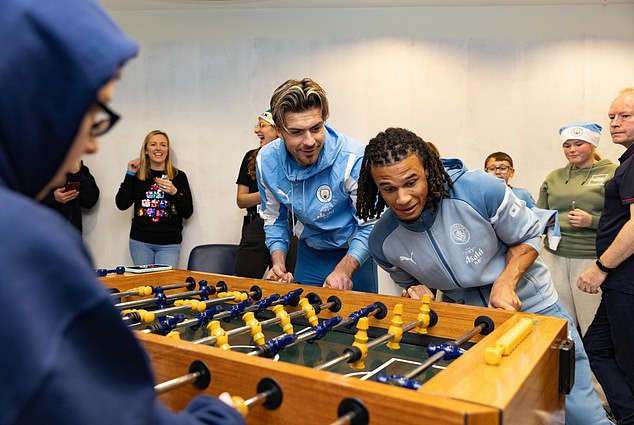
(489, 366)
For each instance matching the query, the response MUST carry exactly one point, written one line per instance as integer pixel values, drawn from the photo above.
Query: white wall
(472, 80)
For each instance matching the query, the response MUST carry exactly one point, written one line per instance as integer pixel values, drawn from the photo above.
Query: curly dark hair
(390, 147)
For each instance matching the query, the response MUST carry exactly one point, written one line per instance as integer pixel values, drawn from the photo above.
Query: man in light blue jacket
(311, 173)
(465, 233)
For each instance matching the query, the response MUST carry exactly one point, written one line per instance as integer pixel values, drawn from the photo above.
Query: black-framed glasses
(104, 120)
(502, 168)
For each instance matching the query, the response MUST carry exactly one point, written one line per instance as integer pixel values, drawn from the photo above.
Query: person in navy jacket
(67, 357)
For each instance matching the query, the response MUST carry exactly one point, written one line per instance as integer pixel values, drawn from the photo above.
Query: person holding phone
(161, 197)
(79, 191)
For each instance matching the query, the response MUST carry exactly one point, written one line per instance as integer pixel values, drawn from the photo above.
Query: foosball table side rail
(309, 396)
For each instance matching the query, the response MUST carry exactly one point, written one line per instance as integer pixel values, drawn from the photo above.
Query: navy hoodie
(65, 355)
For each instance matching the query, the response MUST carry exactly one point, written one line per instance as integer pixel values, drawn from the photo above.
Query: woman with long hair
(161, 197)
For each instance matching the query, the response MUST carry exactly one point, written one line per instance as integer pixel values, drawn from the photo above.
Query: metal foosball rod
(269, 395)
(184, 305)
(313, 300)
(378, 309)
(161, 299)
(198, 376)
(144, 291)
(483, 325)
(311, 306)
(136, 319)
(207, 310)
(217, 312)
(281, 316)
(274, 346)
(318, 331)
(355, 355)
(352, 411)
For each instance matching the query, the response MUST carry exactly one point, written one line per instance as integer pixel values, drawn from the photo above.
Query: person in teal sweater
(577, 192)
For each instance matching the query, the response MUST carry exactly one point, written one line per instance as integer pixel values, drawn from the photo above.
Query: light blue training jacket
(321, 197)
(461, 247)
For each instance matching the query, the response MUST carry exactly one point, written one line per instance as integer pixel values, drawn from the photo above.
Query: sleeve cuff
(359, 252)
(278, 246)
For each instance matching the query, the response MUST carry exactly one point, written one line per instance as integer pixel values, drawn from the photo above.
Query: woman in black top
(161, 197)
(253, 256)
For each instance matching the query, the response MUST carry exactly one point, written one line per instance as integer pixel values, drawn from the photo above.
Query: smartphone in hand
(71, 186)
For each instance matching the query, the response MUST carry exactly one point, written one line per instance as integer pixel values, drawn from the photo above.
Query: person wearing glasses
(577, 192)
(67, 357)
(161, 197)
(310, 173)
(253, 257)
(501, 164)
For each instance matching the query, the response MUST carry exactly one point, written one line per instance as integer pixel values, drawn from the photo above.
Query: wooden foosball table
(524, 388)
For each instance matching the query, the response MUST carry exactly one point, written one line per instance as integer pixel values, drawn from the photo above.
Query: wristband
(130, 173)
(602, 267)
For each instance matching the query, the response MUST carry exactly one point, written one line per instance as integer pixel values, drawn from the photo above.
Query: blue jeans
(582, 404)
(313, 267)
(149, 253)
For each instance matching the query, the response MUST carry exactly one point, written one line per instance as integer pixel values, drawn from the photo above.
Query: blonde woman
(161, 197)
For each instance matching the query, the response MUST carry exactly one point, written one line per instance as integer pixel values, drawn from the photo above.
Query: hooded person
(67, 358)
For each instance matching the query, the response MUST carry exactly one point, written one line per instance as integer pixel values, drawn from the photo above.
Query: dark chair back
(213, 258)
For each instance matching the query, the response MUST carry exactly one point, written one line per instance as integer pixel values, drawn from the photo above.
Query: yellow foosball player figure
(68, 358)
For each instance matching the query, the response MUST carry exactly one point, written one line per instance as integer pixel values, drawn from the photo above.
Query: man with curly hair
(465, 233)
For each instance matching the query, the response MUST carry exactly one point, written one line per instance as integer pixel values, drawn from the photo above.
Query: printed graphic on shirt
(410, 259)
(597, 180)
(459, 234)
(285, 195)
(324, 193)
(155, 206)
(473, 255)
(325, 212)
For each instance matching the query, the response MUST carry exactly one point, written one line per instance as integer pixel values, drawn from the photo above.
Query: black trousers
(609, 343)
(253, 257)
